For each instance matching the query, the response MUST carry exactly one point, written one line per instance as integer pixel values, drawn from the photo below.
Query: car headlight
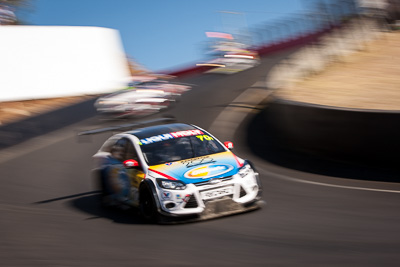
(245, 170)
(171, 184)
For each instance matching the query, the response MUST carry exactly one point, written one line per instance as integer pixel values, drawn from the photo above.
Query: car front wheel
(147, 205)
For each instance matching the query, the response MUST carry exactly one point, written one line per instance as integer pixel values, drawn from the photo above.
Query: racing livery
(180, 170)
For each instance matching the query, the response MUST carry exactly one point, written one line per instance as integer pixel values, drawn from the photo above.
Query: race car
(231, 57)
(181, 171)
(160, 84)
(134, 102)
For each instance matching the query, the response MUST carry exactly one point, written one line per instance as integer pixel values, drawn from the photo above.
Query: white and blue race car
(180, 170)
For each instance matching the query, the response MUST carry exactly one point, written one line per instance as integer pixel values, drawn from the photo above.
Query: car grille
(208, 182)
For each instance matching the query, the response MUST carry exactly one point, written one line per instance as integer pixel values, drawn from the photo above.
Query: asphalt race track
(50, 217)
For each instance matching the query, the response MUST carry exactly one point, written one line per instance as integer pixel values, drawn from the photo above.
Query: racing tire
(147, 205)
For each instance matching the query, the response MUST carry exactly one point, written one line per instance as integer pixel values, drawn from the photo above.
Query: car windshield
(180, 149)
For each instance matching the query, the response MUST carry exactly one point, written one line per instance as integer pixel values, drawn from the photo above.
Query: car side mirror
(131, 163)
(228, 145)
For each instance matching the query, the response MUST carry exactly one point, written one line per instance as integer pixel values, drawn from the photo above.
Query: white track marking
(280, 176)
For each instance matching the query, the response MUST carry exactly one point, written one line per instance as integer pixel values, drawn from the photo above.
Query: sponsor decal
(186, 133)
(217, 192)
(168, 164)
(157, 138)
(239, 161)
(162, 174)
(167, 136)
(208, 171)
(197, 161)
(166, 195)
(205, 137)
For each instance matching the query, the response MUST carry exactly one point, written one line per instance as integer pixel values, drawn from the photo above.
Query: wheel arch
(148, 184)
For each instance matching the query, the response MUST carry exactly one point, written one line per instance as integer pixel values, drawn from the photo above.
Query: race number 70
(204, 137)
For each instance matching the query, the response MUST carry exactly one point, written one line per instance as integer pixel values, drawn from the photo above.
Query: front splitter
(215, 209)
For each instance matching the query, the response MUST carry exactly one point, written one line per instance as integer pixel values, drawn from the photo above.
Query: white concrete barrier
(57, 61)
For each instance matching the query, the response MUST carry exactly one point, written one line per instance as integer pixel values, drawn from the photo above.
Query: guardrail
(262, 51)
(297, 31)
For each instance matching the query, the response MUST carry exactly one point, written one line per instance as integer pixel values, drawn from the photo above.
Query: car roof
(161, 129)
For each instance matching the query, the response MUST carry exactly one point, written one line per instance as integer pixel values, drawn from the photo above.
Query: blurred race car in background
(144, 98)
(231, 57)
(133, 102)
(160, 84)
(179, 170)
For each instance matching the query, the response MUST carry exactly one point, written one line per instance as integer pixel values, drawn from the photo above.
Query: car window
(180, 148)
(131, 152)
(123, 142)
(108, 144)
(205, 145)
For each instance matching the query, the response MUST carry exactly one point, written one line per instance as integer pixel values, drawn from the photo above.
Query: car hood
(199, 169)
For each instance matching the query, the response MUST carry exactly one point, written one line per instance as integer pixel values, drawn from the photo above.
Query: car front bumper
(227, 196)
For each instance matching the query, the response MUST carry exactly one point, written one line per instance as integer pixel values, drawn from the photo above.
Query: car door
(136, 174)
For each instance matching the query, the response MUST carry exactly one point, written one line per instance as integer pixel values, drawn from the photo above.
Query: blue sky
(161, 34)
